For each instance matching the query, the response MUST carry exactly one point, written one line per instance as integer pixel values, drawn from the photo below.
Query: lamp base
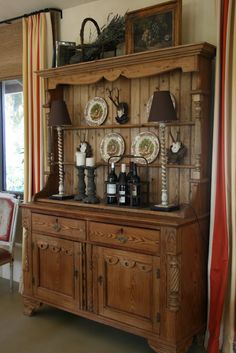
(167, 208)
(61, 197)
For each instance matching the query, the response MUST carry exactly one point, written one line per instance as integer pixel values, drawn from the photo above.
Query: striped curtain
(222, 247)
(37, 55)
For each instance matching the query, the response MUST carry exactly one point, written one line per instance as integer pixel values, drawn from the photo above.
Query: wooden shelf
(129, 126)
(183, 70)
(135, 65)
(153, 165)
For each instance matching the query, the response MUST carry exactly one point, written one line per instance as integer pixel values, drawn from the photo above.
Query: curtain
(37, 49)
(222, 247)
(37, 55)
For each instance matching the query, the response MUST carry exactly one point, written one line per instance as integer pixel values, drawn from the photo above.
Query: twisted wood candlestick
(164, 192)
(60, 165)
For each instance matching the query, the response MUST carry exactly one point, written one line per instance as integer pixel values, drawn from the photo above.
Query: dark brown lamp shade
(59, 115)
(162, 108)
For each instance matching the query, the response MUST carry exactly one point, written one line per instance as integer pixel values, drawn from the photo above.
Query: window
(12, 131)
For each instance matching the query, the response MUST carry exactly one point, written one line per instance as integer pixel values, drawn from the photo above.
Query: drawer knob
(121, 237)
(56, 226)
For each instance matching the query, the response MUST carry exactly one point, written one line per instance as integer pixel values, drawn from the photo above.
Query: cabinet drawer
(127, 237)
(59, 226)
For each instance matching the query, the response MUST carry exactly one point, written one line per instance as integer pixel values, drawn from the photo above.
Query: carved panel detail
(111, 260)
(25, 250)
(171, 245)
(197, 114)
(173, 282)
(54, 247)
(197, 105)
(26, 231)
(26, 220)
(127, 263)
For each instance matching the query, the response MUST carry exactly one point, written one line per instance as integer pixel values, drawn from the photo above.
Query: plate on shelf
(145, 144)
(112, 144)
(149, 104)
(95, 111)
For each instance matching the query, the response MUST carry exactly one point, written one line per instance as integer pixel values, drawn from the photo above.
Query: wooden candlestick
(81, 184)
(91, 187)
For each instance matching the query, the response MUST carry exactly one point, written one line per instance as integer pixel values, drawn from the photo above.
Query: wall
(198, 17)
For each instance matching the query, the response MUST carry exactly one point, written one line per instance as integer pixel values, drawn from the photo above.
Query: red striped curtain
(221, 298)
(37, 48)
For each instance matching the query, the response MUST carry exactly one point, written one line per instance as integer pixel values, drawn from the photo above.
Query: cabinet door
(56, 265)
(128, 288)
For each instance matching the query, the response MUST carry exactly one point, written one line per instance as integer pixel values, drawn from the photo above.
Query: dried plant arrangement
(108, 37)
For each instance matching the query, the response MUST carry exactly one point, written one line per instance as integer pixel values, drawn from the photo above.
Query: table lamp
(162, 110)
(59, 117)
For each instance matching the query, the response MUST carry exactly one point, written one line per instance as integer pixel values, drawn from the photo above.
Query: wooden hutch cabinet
(139, 270)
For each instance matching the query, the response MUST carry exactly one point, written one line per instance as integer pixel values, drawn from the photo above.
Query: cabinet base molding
(165, 347)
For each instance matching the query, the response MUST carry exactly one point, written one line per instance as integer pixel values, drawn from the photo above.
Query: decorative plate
(95, 111)
(145, 144)
(149, 103)
(112, 144)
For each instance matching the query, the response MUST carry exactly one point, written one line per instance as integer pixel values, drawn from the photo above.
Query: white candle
(90, 162)
(80, 158)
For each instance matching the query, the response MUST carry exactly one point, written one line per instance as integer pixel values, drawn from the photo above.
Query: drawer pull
(56, 226)
(121, 237)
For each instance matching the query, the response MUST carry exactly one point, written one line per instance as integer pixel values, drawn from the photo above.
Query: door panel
(54, 270)
(128, 289)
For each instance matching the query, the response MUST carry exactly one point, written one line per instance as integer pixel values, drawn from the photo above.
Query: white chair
(9, 206)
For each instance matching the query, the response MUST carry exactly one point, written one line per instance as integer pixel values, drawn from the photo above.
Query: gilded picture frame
(154, 27)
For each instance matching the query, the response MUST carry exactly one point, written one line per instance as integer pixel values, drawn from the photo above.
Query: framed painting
(64, 51)
(154, 27)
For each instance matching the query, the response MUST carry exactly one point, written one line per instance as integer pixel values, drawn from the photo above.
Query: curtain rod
(9, 20)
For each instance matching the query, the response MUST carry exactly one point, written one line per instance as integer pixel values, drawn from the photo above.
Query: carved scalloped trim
(43, 245)
(127, 263)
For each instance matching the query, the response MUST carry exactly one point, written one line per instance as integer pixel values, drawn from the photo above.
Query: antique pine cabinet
(138, 270)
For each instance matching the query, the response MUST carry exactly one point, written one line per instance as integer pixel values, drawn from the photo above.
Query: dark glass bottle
(129, 175)
(128, 179)
(122, 186)
(135, 188)
(111, 186)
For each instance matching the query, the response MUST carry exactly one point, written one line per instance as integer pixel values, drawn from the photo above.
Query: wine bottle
(122, 186)
(128, 179)
(129, 175)
(135, 189)
(111, 186)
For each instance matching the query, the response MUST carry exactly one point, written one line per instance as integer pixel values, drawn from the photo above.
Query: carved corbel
(173, 282)
(173, 268)
(26, 230)
(197, 115)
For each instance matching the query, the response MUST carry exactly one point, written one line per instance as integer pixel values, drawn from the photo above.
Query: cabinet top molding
(148, 63)
(104, 212)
